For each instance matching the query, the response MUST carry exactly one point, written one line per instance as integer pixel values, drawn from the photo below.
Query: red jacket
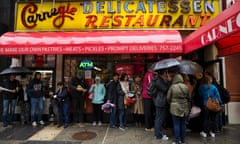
(146, 80)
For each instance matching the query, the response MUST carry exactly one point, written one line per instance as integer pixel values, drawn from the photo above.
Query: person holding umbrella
(10, 87)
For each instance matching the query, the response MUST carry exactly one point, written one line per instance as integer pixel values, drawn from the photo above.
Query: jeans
(39, 103)
(159, 119)
(122, 117)
(63, 113)
(8, 113)
(113, 117)
(179, 127)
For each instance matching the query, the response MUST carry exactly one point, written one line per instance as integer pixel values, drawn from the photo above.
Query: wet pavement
(74, 134)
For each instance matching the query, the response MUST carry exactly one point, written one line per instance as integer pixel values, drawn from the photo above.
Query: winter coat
(99, 91)
(162, 86)
(122, 94)
(213, 93)
(112, 94)
(75, 82)
(178, 97)
(146, 80)
(137, 107)
(62, 95)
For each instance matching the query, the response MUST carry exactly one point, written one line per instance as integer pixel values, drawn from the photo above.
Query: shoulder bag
(212, 104)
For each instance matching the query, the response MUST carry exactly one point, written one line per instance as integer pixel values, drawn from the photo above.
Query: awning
(229, 45)
(93, 42)
(225, 24)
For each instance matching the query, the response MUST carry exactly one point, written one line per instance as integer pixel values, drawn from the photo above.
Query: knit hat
(97, 78)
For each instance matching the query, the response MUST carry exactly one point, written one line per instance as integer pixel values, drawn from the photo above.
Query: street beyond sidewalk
(89, 134)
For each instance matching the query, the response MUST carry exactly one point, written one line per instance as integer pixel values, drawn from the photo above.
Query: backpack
(224, 94)
(151, 89)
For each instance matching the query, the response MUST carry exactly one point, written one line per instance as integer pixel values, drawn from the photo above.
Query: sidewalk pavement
(50, 134)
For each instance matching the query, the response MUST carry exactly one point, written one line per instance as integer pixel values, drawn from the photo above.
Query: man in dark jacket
(35, 90)
(160, 102)
(9, 99)
(79, 87)
(113, 98)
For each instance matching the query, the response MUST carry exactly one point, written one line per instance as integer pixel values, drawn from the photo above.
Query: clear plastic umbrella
(165, 63)
(189, 67)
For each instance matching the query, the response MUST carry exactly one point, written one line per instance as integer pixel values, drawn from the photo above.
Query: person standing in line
(148, 101)
(9, 99)
(35, 89)
(178, 97)
(160, 102)
(112, 96)
(207, 89)
(137, 107)
(62, 99)
(79, 87)
(123, 90)
(24, 102)
(99, 91)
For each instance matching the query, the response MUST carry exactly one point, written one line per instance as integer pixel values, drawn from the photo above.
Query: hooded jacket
(178, 97)
(35, 88)
(99, 91)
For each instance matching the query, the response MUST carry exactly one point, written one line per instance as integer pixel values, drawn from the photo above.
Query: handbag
(90, 96)
(213, 104)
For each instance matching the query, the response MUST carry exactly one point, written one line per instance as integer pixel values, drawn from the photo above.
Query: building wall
(233, 85)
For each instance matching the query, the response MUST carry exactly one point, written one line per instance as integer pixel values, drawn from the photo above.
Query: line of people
(174, 95)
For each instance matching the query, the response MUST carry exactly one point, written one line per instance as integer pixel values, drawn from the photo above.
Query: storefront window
(106, 65)
(40, 61)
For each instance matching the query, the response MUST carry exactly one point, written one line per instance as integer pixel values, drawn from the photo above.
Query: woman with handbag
(98, 91)
(206, 91)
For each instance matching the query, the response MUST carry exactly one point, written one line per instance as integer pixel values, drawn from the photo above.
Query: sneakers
(149, 129)
(41, 122)
(212, 134)
(122, 128)
(34, 123)
(165, 138)
(94, 123)
(65, 125)
(99, 123)
(113, 126)
(203, 134)
(81, 125)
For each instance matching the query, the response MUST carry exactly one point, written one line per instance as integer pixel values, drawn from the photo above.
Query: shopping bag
(195, 112)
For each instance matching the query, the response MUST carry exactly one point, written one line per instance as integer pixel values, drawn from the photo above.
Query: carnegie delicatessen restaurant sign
(115, 14)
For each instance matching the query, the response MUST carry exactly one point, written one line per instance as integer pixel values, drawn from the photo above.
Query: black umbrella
(165, 63)
(189, 67)
(16, 70)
